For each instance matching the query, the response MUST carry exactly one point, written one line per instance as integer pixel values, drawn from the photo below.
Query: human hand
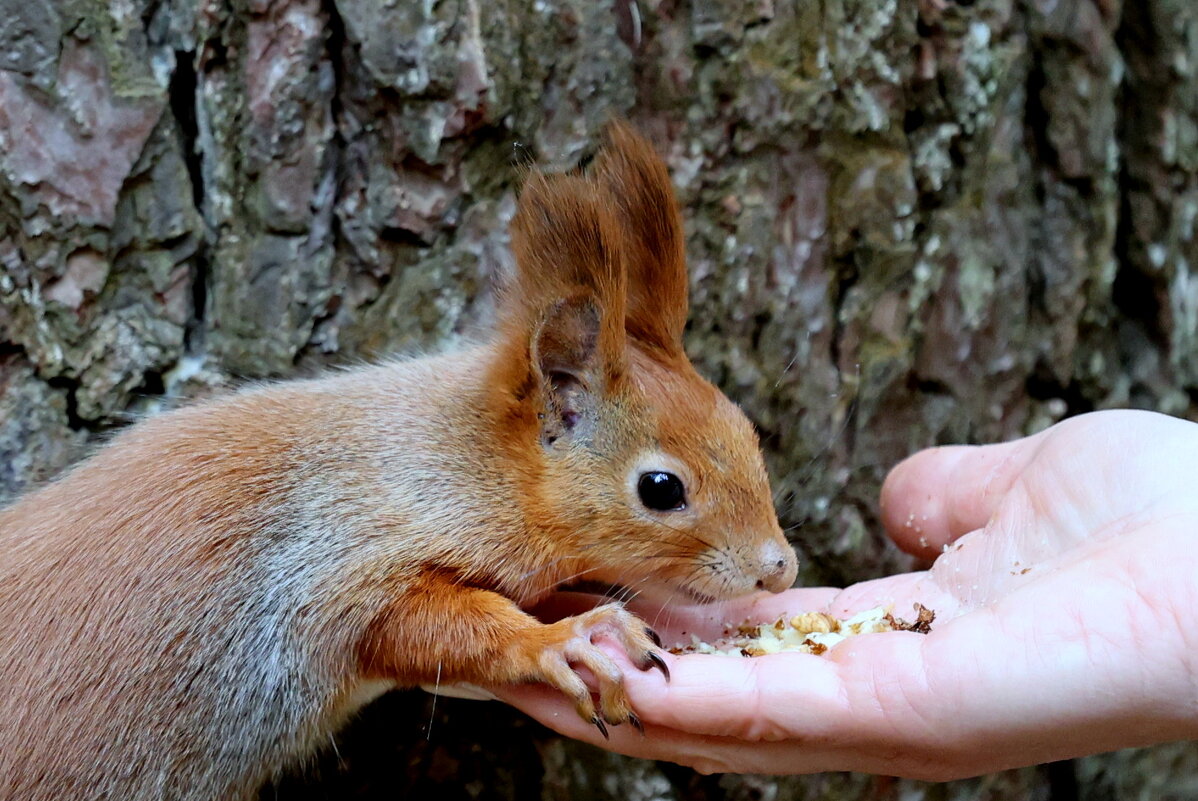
(1062, 624)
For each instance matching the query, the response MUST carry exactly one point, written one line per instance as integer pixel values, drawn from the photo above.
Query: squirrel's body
(211, 595)
(290, 487)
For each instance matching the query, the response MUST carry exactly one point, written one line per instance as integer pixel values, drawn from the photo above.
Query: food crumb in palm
(808, 632)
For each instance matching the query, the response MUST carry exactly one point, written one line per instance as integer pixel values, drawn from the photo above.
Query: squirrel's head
(623, 453)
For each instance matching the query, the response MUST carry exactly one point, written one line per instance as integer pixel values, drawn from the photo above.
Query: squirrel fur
(209, 596)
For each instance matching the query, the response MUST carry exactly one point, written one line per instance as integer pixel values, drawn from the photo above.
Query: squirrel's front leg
(439, 630)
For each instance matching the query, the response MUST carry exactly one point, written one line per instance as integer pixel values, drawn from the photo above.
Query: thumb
(939, 494)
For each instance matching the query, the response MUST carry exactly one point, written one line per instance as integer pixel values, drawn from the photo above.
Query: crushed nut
(813, 621)
(809, 632)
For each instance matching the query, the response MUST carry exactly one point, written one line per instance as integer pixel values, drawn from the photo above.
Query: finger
(898, 703)
(869, 690)
(819, 731)
(925, 706)
(787, 696)
(937, 495)
(719, 696)
(706, 753)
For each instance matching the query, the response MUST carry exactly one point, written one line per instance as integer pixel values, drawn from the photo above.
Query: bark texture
(909, 222)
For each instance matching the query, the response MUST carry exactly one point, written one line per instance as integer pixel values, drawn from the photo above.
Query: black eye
(661, 491)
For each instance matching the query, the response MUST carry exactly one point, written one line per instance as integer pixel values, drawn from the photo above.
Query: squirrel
(213, 593)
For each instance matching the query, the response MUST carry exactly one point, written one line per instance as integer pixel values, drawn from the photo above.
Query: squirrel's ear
(567, 303)
(655, 253)
(566, 361)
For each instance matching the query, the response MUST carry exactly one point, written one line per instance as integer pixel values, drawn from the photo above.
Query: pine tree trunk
(909, 222)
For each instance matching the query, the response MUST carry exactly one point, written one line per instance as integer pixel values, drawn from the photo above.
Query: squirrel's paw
(571, 643)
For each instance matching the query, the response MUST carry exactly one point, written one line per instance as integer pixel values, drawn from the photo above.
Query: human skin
(1065, 577)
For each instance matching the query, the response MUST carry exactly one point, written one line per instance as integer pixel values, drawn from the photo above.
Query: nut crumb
(808, 632)
(924, 618)
(812, 621)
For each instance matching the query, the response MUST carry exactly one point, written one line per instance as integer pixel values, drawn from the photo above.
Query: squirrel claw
(654, 660)
(569, 644)
(635, 722)
(601, 726)
(653, 635)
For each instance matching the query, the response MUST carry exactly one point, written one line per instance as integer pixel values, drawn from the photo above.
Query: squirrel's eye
(661, 491)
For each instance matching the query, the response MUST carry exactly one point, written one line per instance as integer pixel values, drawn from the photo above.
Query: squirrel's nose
(779, 566)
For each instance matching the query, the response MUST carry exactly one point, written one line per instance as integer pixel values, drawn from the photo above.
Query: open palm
(1063, 590)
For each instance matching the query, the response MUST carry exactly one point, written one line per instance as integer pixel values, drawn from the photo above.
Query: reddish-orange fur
(210, 595)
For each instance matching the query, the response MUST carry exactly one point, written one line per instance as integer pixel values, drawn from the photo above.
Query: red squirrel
(211, 595)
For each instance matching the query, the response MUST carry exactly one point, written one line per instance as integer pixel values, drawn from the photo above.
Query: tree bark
(909, 222)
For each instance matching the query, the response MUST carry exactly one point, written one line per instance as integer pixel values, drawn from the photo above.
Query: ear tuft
(655, 252)
(567, 246)
(563, 317)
